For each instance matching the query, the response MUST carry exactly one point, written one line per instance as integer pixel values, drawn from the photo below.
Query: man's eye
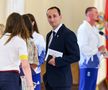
(49, 16)
(54, 16)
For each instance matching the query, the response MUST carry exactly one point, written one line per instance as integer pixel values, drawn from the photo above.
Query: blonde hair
(2, 28)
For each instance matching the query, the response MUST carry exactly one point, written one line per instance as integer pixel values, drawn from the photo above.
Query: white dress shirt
(55, 30)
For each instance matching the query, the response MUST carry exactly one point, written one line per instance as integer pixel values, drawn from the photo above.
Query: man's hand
(106, 25)
(102, 49)
(52, 61)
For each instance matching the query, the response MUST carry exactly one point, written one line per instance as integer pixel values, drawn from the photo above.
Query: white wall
(72, 11)
(14, 6)
(37, 8)
(2, 11)
(100, 4)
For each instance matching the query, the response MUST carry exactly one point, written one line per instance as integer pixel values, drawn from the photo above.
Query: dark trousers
(48, 87)
(88, 78)
(10, 81)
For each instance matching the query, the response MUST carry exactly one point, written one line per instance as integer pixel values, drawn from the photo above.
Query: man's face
(54, 18)
(93, 15)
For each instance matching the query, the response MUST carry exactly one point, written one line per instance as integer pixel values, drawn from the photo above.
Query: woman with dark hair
(40, 43)
(13, 52)
(32, 18)
(32, 49)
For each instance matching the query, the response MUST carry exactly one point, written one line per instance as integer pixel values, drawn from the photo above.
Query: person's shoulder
(18, 39)
(83, 25)
(68, 31)
(48, 34)
(83, 28)
(71, 34)
(68, 34)
(37, 35)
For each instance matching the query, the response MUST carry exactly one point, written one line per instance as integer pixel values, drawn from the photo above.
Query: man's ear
(61, 16)
(33, 23)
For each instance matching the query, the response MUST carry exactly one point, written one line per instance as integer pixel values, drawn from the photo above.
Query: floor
(74, 87)
(101, 86)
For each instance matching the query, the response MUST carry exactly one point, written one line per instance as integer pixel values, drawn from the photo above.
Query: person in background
(63, 42)
(1, 29)
(13, 52)
(32, 49)
(90, 49)
(40, 43)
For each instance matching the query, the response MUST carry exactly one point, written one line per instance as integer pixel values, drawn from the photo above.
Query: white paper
(53, 53)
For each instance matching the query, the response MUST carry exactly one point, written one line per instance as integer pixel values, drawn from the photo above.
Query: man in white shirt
(90, 50)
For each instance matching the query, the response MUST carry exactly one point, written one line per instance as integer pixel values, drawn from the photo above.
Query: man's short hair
(54, 7)
(89, 9)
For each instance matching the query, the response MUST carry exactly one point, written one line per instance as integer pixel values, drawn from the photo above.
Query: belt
(14, 71)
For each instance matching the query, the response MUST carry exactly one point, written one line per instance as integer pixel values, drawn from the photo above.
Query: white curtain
(14, 6)
(100, 5)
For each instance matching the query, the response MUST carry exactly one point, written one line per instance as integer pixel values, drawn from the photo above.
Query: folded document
(52, 52)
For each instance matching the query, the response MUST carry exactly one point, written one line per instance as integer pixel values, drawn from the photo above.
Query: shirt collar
(7, 34)
(88, 23)
(56, 30)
